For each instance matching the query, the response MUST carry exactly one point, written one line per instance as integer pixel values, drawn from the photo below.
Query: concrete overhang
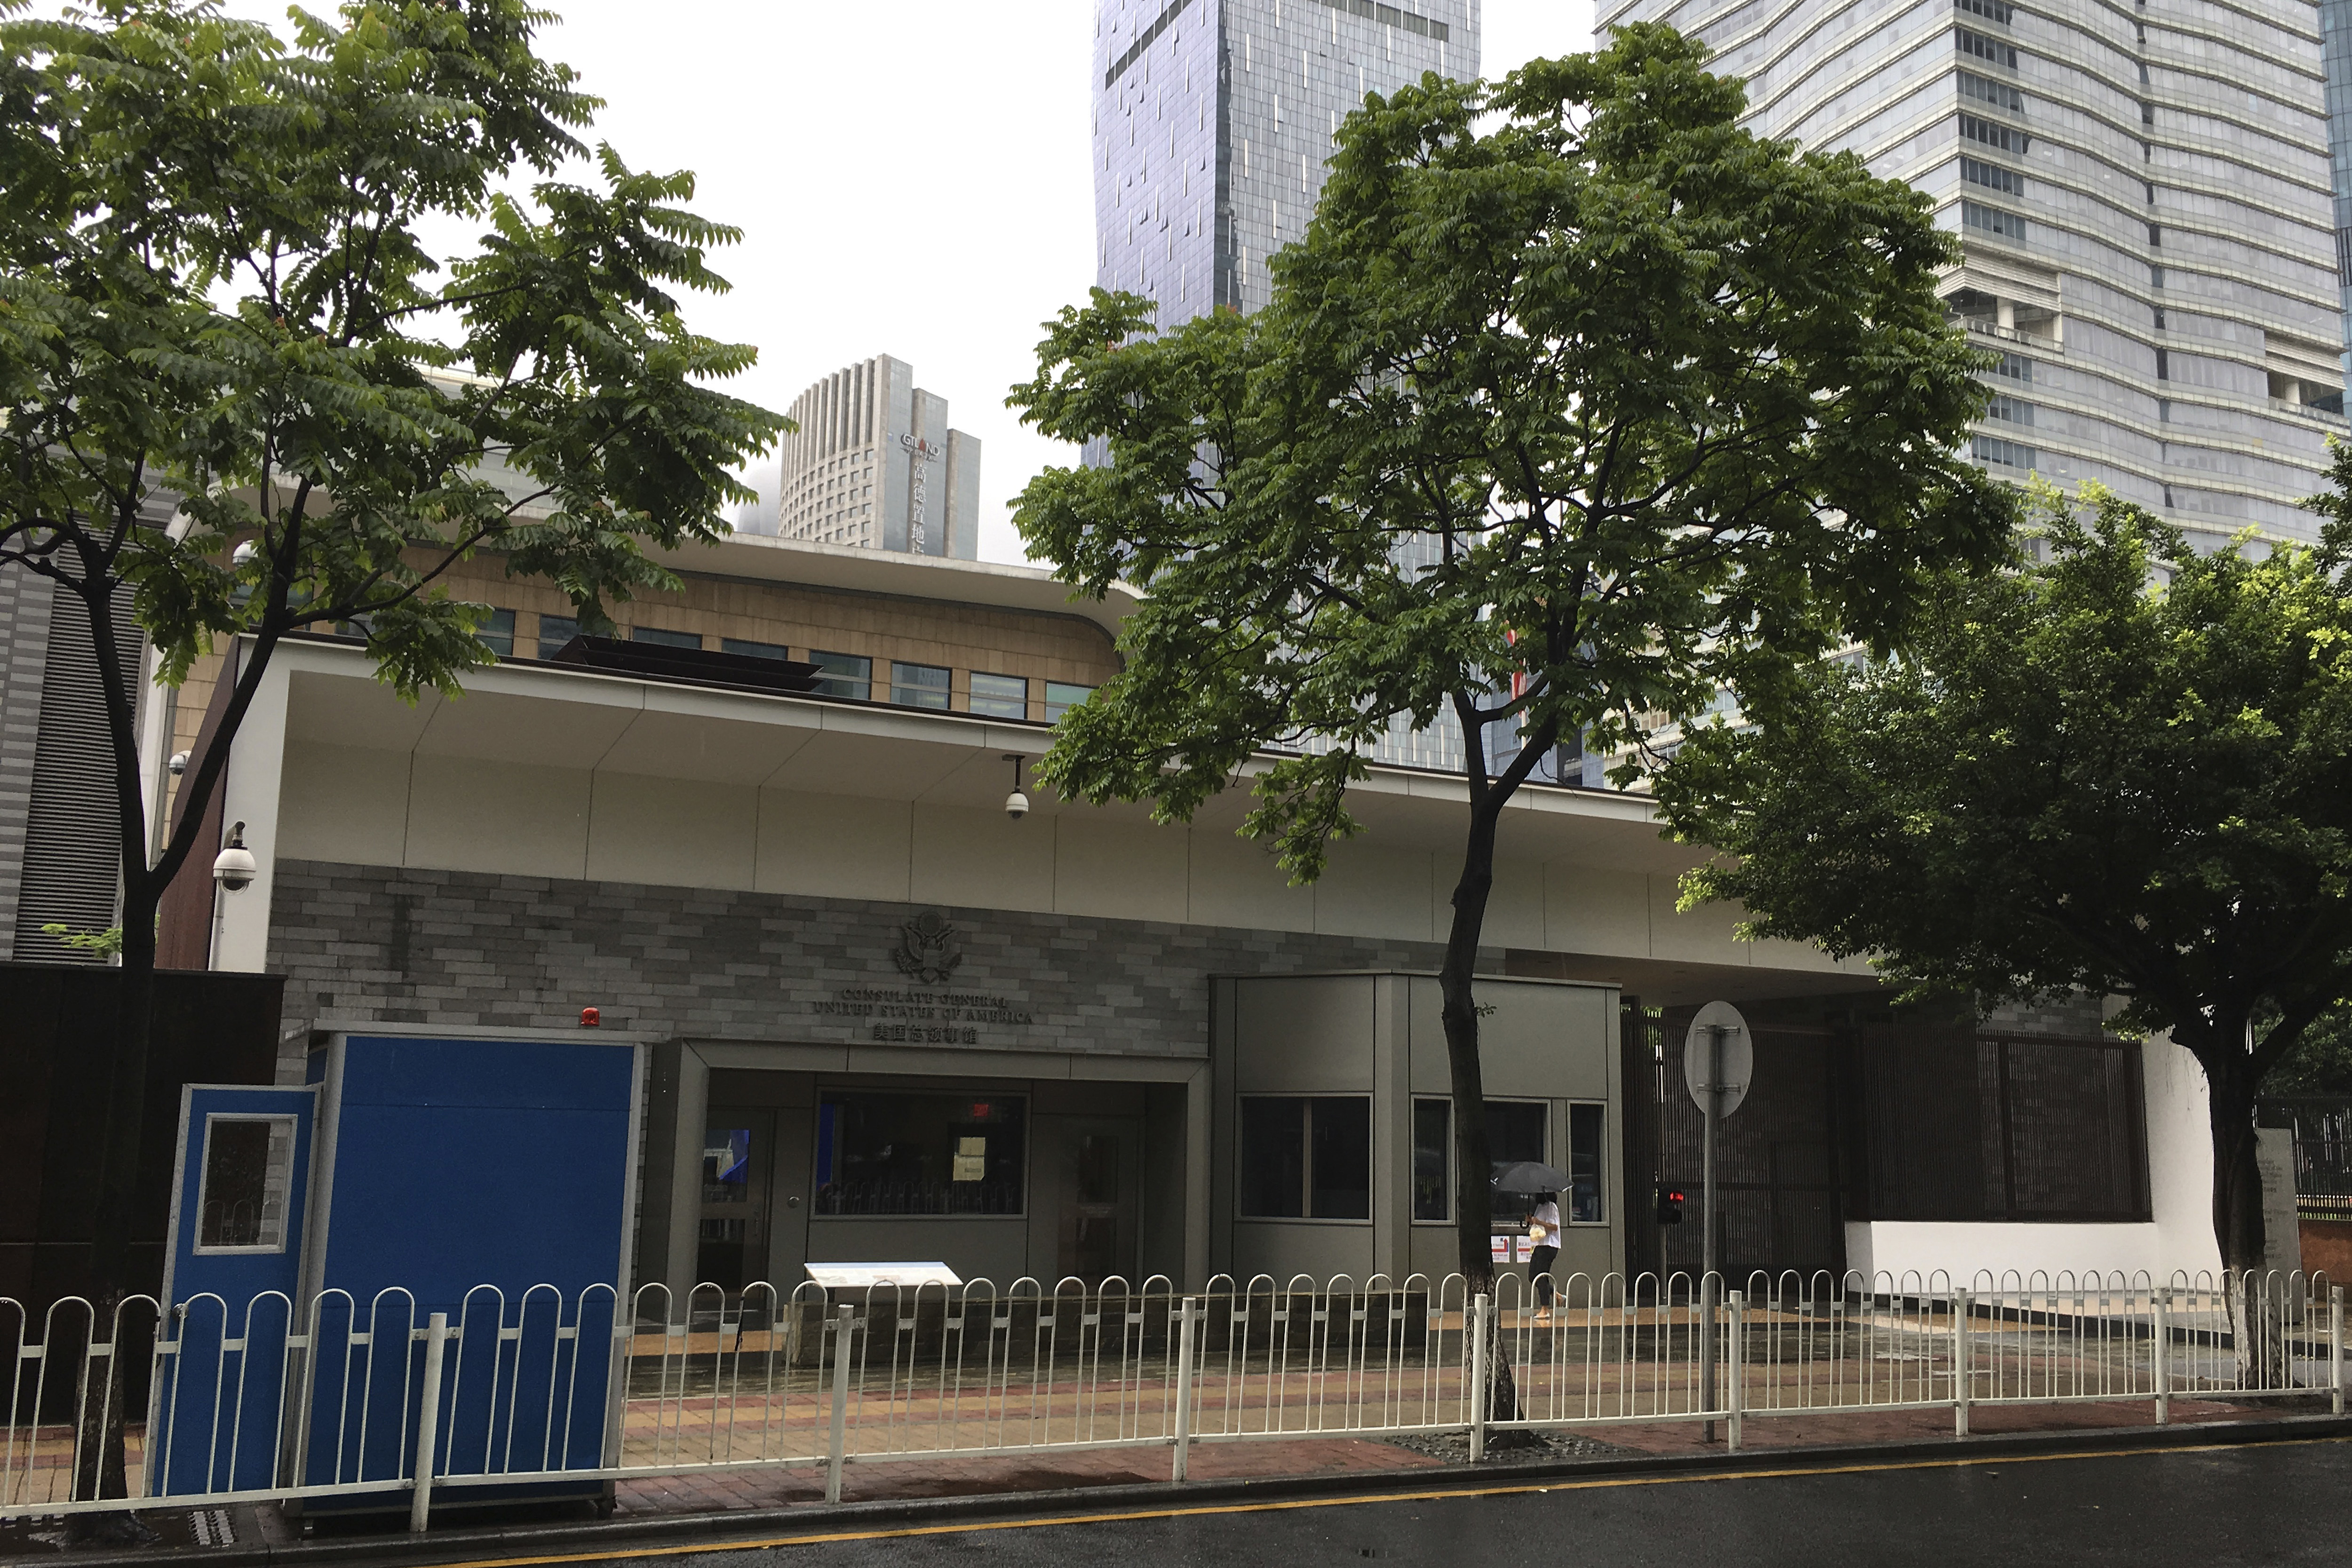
(548, 716)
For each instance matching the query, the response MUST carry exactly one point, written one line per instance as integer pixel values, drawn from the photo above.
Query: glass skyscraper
(1213, 119)
(2336, 24)
(2143, 194)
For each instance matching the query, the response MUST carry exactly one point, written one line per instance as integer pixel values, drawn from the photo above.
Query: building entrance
(1090, 1187)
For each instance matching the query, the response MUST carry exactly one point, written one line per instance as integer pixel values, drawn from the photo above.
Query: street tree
(2125, 772)
(1574, 405)
(254, 381)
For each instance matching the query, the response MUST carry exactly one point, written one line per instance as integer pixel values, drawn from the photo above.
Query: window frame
(292, 1125)
(1306, 1100)
(1028, 1151)
(1600, 1164)
(972, 698)
(946, 688)
(498, 626)
(826, 674)
(540, 636)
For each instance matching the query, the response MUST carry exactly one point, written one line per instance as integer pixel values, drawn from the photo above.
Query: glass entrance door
(737, 1163)
(1098, 1233)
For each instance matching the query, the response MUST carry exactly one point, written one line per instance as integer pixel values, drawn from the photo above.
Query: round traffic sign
(1738, 1058)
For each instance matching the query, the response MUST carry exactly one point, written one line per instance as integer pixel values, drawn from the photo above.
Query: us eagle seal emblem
(928, 949)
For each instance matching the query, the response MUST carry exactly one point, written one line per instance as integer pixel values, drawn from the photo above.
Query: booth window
(1433, 1160)
(880, 1153)
(1306, 1156)
(1581, 1205)
(1514, 1132)
(249, 1168)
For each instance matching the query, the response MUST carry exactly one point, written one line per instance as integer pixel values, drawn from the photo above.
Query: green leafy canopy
(2126, 771)
(225, 320)
(1574, 404)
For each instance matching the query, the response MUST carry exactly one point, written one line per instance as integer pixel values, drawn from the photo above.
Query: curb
(724, 1529)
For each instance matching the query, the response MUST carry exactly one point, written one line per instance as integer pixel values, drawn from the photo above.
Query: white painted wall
(429, 810)
(2178, 1239)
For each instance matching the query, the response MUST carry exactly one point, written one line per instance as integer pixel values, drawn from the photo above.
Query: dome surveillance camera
(1016, 804)
(178, 764)
(235, 867)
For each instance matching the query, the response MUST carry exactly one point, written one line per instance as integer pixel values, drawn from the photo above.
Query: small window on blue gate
(241, 1193)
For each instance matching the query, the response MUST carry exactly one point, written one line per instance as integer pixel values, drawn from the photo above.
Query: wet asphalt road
(2267, 1504)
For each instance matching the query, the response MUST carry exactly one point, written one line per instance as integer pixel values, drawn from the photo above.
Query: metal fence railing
(389, 1402)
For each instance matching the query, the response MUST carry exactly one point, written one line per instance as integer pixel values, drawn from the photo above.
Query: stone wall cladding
(380, 944)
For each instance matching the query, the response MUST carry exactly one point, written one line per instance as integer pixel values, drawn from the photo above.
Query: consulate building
(766, 829)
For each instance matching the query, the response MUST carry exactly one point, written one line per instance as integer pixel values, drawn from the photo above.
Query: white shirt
(1547, 1216)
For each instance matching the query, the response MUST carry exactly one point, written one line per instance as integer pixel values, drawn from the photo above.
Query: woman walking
(1543, 1230)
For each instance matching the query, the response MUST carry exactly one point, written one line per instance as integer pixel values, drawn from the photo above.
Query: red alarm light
(590, 1017)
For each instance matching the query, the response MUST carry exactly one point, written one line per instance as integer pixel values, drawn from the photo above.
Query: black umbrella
(1530, 1176)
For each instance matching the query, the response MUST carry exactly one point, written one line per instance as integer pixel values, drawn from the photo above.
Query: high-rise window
(554, 631)
(664, 637)
(754, 649)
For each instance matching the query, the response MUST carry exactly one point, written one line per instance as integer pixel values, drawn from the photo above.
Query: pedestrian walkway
(882, 1480)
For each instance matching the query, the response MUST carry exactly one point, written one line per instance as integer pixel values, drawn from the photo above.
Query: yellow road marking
(1437, 1494)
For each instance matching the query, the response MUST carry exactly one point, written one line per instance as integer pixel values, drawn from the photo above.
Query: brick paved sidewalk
(876, 1480)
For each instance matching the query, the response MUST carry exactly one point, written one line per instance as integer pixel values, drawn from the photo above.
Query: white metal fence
(349, 1403)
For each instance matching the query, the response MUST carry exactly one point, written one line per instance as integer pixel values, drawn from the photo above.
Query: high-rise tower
(1213, 119)
(873, 464)
(2142, 190)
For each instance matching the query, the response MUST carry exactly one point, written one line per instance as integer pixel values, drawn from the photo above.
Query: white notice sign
(864, 1276)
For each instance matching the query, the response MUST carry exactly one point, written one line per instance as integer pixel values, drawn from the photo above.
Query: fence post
(1736, 1300)
(428, 1421)
(2161, 1331)
(1183, 1390)
(1963, 1363)
(2336, 1344)
(837, 1443)
(1478, 1378)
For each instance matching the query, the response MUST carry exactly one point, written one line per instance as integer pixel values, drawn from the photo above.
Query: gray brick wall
(366, 943)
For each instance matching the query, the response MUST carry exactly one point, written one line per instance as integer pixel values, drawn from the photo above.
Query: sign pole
(1710, 1102)
(1718, 1061)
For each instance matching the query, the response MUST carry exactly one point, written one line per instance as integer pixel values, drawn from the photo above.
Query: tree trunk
(1473, 1208)
(100, 1461)
(2237, 1173)
(2231, 1082)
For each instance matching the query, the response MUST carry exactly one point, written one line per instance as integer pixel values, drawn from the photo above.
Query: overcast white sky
(911, 179)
